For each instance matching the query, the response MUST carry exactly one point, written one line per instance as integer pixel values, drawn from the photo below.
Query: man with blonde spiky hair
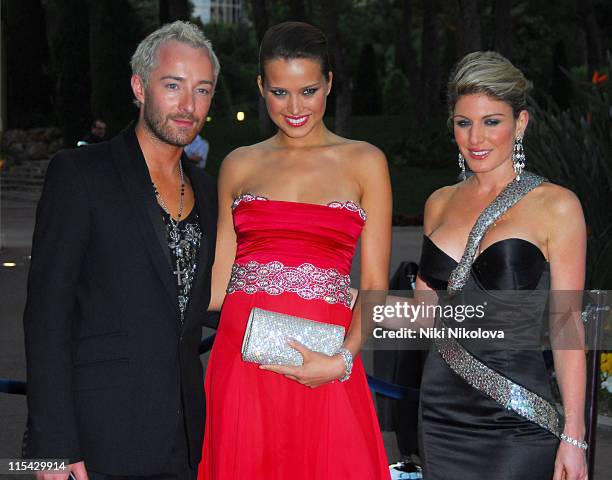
(120, 282)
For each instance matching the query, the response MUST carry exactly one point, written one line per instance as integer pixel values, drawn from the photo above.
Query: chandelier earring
(518, 157)
(461, 162)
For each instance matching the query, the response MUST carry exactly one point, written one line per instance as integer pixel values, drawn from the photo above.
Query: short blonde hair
(144, 59)
(492, 74)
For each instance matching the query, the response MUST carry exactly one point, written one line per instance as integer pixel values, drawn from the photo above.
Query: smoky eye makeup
(489, 121)
(492, 121)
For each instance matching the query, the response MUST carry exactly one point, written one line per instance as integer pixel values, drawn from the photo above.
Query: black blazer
(107, 359)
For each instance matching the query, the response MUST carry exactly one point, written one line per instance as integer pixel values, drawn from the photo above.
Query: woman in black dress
(488, 413)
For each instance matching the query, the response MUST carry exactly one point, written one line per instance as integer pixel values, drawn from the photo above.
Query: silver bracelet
(347, 356)
(582, 445)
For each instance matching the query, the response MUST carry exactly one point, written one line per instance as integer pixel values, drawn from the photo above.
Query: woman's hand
(570, 463)
(316, 370)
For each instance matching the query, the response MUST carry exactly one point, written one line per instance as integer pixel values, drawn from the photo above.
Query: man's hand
(77, 469)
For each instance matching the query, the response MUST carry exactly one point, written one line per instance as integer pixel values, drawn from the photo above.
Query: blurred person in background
(97, 133)
(197, 151)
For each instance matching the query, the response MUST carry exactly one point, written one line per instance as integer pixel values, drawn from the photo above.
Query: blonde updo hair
(492, 74)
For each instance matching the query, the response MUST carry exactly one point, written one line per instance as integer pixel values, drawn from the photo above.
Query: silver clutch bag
(267, 333)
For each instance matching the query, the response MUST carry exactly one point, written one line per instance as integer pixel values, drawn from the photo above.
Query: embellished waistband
(306, 280)
(504, 391)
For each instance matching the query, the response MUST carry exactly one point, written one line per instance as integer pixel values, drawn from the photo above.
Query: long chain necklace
(175, 233)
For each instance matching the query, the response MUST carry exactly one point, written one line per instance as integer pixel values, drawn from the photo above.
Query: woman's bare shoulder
(244, 158)
(364, 156)
(436, 205)
(440, 197)
(239, 165)
(558, 202)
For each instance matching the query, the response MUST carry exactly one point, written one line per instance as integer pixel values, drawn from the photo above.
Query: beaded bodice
(292, 247)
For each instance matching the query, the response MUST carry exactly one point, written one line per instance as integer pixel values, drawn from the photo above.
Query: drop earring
(518, 157)
(461, 162)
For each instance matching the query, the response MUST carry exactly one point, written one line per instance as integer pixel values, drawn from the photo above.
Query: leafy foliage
(382, 45)
(395, 92)
(237, 50)
(68, 37)
(573, 147)
(115, 31)
(366, 89)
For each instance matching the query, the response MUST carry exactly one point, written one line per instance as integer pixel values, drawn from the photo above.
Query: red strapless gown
(292, 258)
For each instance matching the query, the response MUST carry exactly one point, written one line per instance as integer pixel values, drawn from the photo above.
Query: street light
(240, 116)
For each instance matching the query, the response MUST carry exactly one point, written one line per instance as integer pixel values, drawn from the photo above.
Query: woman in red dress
(292, 209)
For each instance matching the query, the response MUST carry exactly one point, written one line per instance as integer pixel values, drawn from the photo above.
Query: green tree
(114, 33)
(395, 93)
(429, 97)
(367, 91)
(406, 57)
(561, 85)
(171, 10)
(332, 12)
(594, 40)
(573, 147)
(30, 88)
(236, 49)
(470, 25)
(261, 21)
(502, 35)
(68, 37)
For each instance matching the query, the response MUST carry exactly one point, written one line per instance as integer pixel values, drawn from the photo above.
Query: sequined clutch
(267, 333)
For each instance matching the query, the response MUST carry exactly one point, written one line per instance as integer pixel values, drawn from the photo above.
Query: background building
(219, 11)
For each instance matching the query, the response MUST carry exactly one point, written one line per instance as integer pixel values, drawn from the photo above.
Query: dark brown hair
(292, 40)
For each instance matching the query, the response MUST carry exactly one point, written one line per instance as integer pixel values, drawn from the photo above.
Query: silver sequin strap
(504, 391)
(510, 195)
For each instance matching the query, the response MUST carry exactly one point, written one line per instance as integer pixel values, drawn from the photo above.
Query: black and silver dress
(488, 413)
